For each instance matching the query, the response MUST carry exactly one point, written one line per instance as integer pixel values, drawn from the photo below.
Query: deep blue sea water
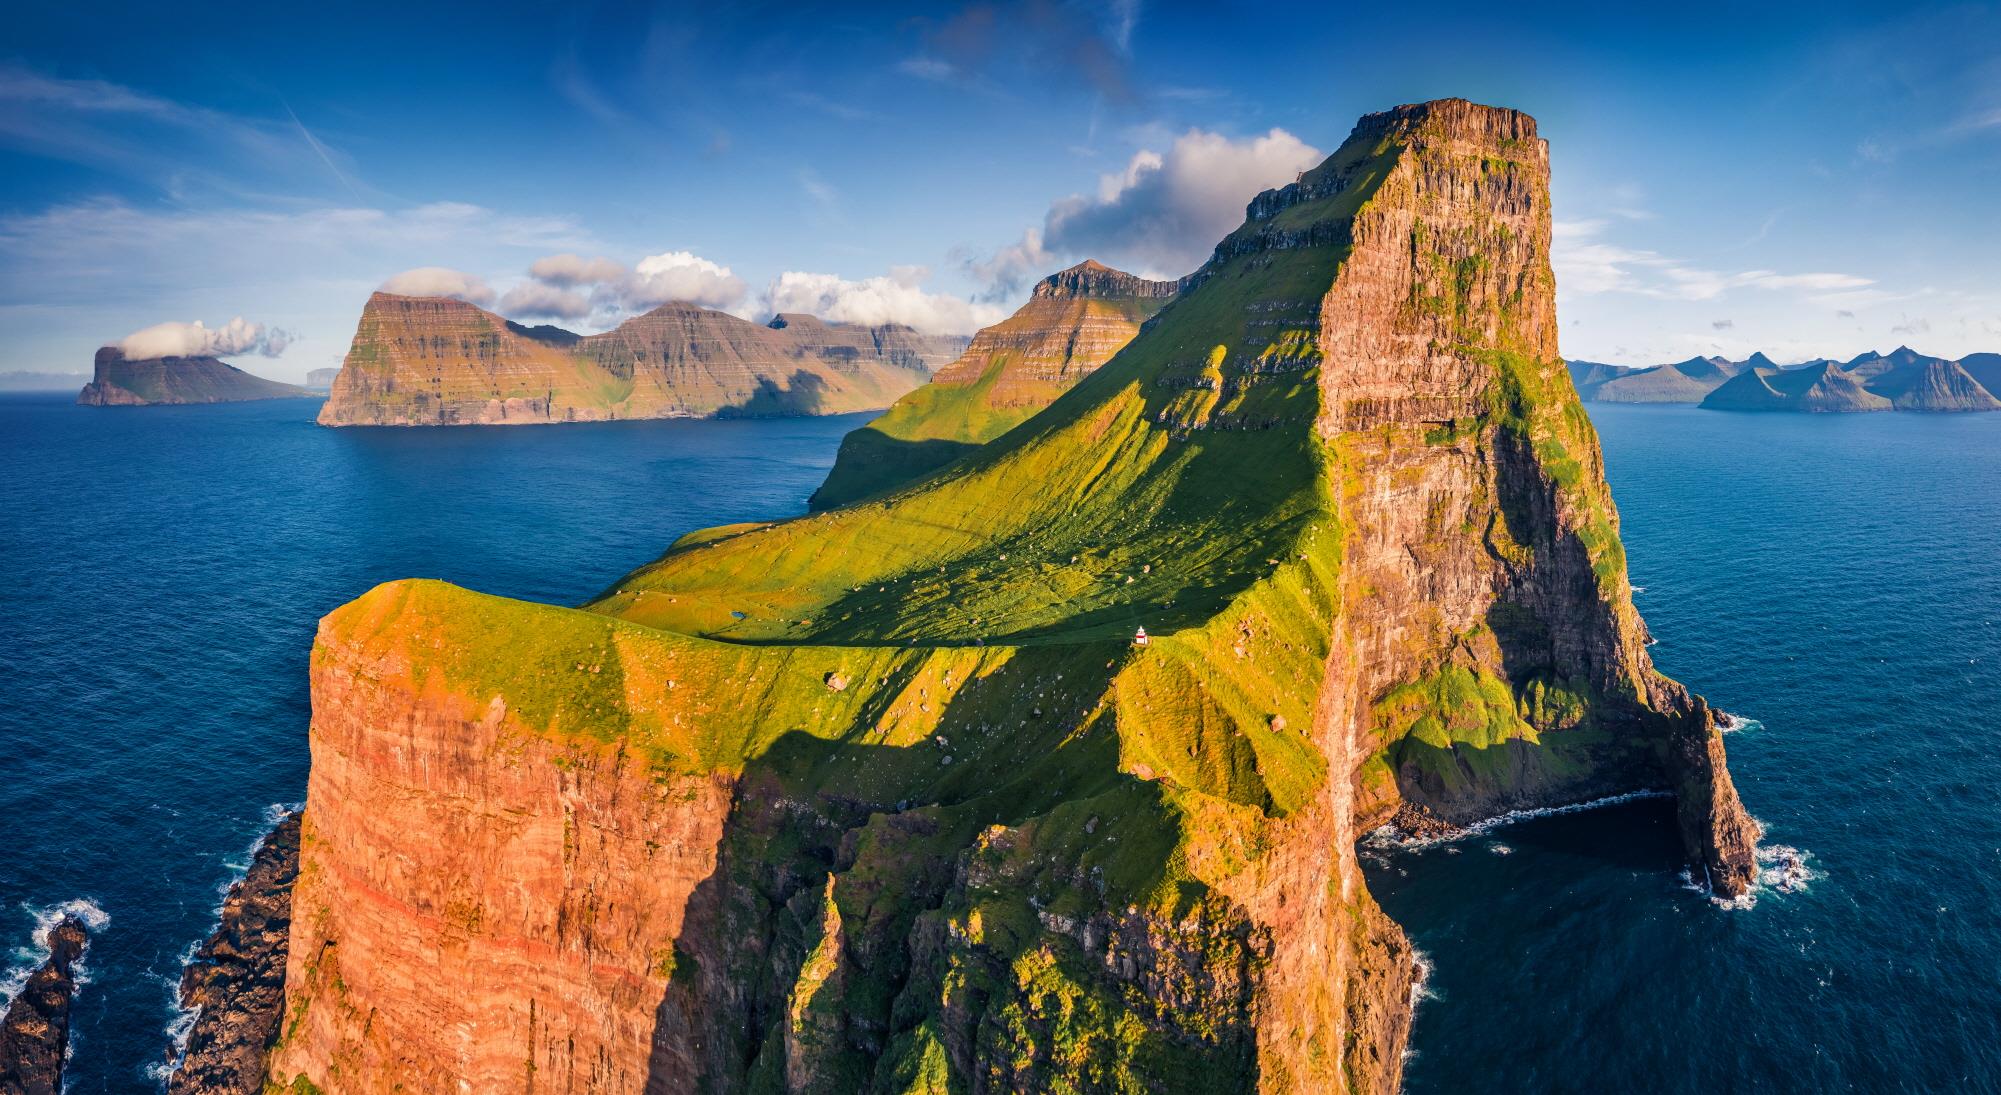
(163, 569)
(1836, 579)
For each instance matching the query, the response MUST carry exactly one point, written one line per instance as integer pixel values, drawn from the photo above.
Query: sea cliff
(432, 361)
(897, 796)
(120, 381)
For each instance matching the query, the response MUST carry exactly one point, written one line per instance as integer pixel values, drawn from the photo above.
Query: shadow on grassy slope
(891, 918)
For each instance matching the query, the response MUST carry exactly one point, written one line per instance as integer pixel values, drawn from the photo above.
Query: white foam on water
(1732, 724)
(25, 960)
(181, 1020)
(1499, 848)
(1782, 869)
(1389, 836)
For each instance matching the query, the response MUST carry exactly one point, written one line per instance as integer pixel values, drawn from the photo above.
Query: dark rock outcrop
(236, 981)
(34, 1036)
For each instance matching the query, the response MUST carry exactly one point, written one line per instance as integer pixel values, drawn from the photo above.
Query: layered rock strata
(235, 983)
(1074, 321)
(891, 797)
(120, 381)
(431, 361)
(34, 1033)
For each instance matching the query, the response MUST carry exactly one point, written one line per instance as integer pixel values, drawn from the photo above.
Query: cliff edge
(1045, 772)
(1074, 321)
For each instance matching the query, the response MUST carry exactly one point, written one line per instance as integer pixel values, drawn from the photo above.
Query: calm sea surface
(1838, 580)
(163, 569)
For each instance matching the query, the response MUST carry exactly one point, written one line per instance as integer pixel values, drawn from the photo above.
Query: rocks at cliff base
(236, 981)
(34, 1036)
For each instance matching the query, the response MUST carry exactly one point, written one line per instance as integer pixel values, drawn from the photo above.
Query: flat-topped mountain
(321, 378)
(433, 361)
(120, 381)
(1046, 772)
(1902, 380)
(1074, 321)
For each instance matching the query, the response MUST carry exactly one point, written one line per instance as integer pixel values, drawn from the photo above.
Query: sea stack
(432, 361)
(1074, 321)
(120, 381)
(34, 1034)
(1342, 483)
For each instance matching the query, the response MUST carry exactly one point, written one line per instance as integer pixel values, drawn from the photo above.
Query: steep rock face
(420, 361)
(34, 1033)
(889, 797)
(1074, 321)
(120, 381)
(236, 980)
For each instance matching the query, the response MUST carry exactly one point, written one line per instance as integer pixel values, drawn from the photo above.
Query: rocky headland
(893, 797)
(235, 983)
(432, 361)
(1074, 321)
(120, 381)
(34, 1033)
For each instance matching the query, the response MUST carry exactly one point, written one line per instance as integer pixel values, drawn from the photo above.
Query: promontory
(1045, 770)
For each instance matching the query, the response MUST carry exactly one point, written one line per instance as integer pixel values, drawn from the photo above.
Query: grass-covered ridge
(979, 838)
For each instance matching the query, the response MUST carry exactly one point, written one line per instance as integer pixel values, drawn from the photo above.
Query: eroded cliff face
(119, 381)
(889, 798)
(1074, 321)
(423, 361)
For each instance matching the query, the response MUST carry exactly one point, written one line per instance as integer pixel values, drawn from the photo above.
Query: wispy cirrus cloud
(158, 141)
(1587, 264)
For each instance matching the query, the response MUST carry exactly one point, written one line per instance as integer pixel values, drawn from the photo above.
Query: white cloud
(440, 281)
(898, 297)
(1586, 265)
(683, 276)
(572, 287)
(544, 301)
(1163, 212)
(570, 271)
(173, 339)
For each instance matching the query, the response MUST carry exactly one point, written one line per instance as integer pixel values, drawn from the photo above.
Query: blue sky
(1802, 179)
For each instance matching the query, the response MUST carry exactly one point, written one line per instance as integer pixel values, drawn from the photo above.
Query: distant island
(435, 361)
(1074, 321)
(1901, 380)
(321, 379)
(121, 381)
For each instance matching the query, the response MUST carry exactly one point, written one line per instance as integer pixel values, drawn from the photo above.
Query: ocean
(164, 570)
(1836, 582)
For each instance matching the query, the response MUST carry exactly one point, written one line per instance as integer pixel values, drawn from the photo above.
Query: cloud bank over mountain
(175, 339)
